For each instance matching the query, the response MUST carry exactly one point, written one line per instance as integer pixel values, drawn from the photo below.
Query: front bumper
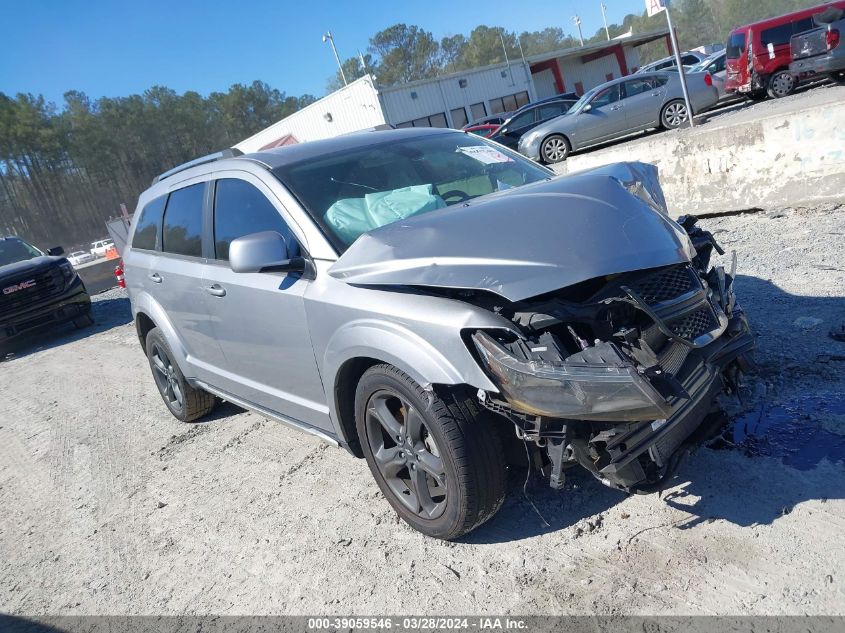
(530, 149)
(67, 305)
(659, 440)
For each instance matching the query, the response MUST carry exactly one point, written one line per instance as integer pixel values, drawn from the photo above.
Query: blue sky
(123, 47)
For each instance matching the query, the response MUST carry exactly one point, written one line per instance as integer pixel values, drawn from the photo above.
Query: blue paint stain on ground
(801, 432)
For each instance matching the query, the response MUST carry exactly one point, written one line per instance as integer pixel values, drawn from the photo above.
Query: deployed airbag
(351, 217)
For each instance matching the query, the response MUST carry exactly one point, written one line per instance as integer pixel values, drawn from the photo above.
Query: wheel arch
(148, 315)
(359, 346)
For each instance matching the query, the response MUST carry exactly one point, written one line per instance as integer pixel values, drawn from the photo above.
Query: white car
(98, 249)
(80, 257)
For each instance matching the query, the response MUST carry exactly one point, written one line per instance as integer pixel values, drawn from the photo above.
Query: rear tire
(674, 115)
(837, 77)
(435, 455)
(782, 84)
(185, 402)
(555, 149)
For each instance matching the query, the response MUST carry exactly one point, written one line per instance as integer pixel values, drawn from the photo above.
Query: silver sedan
(618, 108)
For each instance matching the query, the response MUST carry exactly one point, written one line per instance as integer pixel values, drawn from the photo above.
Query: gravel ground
(110, 506)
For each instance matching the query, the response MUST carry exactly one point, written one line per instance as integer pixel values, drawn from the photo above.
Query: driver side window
(606, 97)
(241, 209)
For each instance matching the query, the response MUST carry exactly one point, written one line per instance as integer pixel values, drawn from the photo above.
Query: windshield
(14, 250)
(584, 99)
(356, 191)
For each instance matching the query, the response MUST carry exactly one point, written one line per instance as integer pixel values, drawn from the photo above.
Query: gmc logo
(21, 286)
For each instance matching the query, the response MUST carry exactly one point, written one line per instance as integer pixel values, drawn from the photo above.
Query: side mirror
(56, 251)
(263, 252)
(587, 108)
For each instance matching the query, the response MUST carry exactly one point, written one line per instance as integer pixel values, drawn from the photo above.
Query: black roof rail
(231, 152)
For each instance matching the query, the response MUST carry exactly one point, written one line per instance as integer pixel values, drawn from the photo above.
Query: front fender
(406, 350)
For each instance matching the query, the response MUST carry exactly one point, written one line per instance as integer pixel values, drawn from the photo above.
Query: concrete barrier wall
(98, 276)
(783, 159)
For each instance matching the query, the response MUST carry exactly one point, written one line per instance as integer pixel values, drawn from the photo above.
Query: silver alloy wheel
(165, 376)
(555, 149)
(783, 83)
(675, 114)
(406, 454)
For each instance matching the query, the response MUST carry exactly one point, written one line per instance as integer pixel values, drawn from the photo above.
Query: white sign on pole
(653, 7)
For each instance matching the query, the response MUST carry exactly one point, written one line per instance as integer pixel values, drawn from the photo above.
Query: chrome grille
(47, 284)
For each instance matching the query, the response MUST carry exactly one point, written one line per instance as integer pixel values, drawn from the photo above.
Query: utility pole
(681, 74)
(576, 20)
(604, 17)
(505, 50)
(328, 38)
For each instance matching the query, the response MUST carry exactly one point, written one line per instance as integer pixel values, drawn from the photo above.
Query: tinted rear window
(182, 233)
(736, 45)
(149, 224)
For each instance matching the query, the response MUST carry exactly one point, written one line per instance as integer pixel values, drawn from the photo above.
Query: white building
(456, 99)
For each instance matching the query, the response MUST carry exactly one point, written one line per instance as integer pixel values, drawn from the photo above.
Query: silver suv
(427, 299)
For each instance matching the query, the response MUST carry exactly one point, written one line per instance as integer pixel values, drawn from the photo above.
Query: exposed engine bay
(616, 373)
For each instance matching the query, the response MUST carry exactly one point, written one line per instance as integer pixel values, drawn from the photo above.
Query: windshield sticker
(484, 154)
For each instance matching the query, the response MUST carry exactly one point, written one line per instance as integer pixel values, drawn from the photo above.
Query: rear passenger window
(149, 224)
(182, 232)
(241, 209)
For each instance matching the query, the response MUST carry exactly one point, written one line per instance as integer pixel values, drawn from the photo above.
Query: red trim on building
(620, 58)
(287, 139)
(551, 64)
(617, 50)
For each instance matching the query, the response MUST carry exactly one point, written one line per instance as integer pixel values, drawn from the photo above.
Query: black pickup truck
(38, 289)
(821, 50)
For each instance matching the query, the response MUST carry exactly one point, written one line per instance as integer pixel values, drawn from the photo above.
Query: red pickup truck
(758, 55)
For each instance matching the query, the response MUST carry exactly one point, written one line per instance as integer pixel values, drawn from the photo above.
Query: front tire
(84, 320)
(674, 114)
(185, 402)
(781, 84)
(555, 149)
(436, 456)
(837, 77)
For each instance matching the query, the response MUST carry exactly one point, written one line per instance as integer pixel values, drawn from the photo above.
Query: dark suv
(38, 289)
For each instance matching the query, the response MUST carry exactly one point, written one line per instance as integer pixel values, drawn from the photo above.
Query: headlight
(612, 391)
(67, 270)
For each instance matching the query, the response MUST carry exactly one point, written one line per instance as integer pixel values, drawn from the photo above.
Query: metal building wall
(444, 94)
(544, 83)
(592, 73)
(354, 107)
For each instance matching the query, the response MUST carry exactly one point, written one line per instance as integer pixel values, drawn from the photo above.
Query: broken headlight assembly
(598, 384)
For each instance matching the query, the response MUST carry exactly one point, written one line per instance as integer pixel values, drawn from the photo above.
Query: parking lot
(113, 507)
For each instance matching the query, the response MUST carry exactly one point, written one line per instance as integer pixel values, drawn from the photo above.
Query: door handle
(615, 107)
(655, 94)
(155, 277)
(216, 290)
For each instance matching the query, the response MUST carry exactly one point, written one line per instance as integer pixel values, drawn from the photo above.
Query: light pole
(577, 22)
(604, 17)
(328, 38)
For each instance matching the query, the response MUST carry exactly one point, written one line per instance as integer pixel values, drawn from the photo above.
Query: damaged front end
(616, 373)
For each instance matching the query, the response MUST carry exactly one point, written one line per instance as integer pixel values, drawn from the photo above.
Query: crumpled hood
(527, 241)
